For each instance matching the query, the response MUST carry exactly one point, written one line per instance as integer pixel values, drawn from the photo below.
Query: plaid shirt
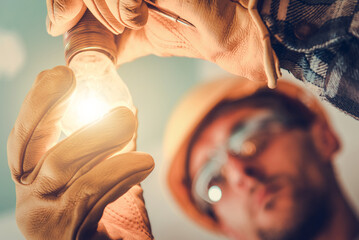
(318, 42)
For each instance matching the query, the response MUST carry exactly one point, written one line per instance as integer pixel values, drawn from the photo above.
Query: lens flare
(215, 193)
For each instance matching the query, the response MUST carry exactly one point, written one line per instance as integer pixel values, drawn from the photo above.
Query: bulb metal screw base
(89, 35)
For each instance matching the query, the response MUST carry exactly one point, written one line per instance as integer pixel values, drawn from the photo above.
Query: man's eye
(248, 149)
(217, 180)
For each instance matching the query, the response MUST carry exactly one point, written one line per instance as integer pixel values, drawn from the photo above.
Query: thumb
(37, 127)
(133, 44)
(105, 183)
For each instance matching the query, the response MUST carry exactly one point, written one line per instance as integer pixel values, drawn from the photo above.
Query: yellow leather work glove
(63, 188)
(229, 33)
(114, 14)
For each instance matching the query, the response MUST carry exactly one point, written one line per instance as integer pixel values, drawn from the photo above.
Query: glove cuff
(127, 218)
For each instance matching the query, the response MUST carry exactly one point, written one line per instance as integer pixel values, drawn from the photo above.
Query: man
(253, 163)
(315, 40)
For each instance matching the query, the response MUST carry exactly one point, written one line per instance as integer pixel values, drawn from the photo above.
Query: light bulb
(90, 51)
(98, 89)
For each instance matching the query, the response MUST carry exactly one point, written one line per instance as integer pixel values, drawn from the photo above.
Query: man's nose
(243, 173)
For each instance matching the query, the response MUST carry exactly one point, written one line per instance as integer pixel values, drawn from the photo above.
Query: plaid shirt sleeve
(318, 42)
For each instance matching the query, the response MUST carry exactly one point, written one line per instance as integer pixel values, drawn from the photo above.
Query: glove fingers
(101, 11)
(105, 183)
(62, 15)
(84, 149)
(36, 129)
(133, 13)
(118, 14)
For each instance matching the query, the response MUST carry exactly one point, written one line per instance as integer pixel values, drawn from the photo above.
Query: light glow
(99, 89)
(91, 109)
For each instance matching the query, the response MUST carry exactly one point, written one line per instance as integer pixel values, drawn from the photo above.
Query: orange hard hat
(191, 111)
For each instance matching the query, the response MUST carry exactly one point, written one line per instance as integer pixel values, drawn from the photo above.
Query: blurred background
(156, 85)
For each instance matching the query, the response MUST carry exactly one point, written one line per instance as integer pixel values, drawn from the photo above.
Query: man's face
(281, 191)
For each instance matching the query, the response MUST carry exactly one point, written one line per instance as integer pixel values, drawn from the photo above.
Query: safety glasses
(247, 140)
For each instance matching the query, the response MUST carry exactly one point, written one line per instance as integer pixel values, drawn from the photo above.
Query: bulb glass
(99, 89)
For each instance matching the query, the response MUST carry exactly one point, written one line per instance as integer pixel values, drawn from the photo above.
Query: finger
(105, 183)
(79, 153)
(118, 14)
(159, 36)
(133, 13)
(101, 11)
(62, 15)
(37, 127)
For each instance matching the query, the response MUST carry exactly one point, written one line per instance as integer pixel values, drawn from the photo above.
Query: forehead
(214, 135)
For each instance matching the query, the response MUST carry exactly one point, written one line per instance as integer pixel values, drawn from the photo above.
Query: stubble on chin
(306, 217)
